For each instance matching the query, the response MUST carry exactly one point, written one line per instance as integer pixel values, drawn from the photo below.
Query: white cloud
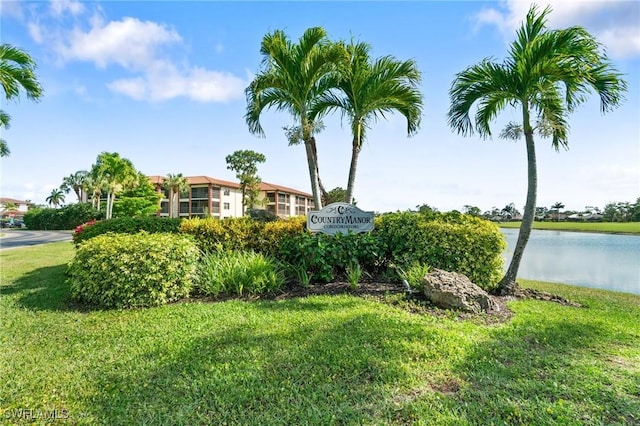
(130, 43)
(60, 7)
(196, 83)
(142, 48)
(614, 23)
(35, 32)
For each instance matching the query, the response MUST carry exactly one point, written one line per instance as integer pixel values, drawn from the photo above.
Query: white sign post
(339, 217)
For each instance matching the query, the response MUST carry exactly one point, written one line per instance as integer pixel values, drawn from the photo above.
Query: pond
(606, 261)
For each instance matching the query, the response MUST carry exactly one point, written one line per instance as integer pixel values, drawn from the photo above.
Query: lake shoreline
(614, 228)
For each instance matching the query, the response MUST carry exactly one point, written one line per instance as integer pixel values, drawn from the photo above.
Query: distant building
(10, 207)
(207, 196)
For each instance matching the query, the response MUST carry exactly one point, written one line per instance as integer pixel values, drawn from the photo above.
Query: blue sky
(162, 83)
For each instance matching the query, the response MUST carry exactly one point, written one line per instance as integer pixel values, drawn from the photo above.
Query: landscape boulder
(450, 290)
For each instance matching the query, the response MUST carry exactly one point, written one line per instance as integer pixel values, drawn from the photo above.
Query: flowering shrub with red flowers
(80, 228)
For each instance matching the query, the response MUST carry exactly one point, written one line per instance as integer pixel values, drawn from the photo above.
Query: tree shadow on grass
(547, 373)
(335, 369)
(43, 289)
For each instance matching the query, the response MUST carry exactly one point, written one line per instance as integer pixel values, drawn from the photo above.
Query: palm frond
(17, 72)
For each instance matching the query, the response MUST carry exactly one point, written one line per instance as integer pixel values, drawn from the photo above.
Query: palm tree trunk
(508, 284)
(324, 195)
(107, 207)
(175, 204)
(309, 145)
(355, 152)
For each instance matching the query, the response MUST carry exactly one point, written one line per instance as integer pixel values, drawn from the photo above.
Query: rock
(452, 290)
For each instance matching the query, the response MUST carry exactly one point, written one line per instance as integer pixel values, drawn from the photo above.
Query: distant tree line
(612, 212)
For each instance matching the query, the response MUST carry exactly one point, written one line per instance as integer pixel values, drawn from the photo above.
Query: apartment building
(207, 196)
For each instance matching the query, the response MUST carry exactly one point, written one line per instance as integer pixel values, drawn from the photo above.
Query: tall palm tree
(55, 198)
(75, 182)
(367, 91)
(548, 73)
(17, 73)
(115, 174)
(175, 184)
(292, 78)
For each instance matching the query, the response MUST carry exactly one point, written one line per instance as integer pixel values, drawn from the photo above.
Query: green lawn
(320, 360)
(606, 227)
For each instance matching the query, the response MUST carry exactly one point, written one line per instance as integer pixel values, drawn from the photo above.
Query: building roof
(205, 180)
(4, 200)
(266, 186)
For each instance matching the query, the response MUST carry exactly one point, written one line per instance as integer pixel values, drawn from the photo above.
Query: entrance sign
(339, 217)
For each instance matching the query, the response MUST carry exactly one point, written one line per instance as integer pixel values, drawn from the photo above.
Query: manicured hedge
(126, 225)
(449, 241)
(65, 218)
(133, 270)
(243, 233)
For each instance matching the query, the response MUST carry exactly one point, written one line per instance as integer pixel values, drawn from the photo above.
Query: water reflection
(604, 261)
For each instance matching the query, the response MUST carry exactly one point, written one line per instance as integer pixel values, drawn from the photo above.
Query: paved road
(23, 238)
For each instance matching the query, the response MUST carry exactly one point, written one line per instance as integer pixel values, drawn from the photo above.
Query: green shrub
(242, 233)
(272, 234)
(326, 256)
(214, 235)
(239, 272)
(127, 225)
(449, 241)
(65, 218)
(133, 270)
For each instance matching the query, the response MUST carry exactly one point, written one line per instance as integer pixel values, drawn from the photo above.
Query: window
(216, 193)
(164, 207)
(271, 208)
(216, 206)
(199, 206)
(201, 193)
(184, 207)
(283, 198)
(271, 196)
(226, 191)
(226, 206)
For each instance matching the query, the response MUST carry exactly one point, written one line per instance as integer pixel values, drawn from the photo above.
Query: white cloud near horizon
(613, 22)
(140, 47)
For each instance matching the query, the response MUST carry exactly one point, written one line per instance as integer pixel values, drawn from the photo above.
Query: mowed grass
(318, 360)
(606, 227)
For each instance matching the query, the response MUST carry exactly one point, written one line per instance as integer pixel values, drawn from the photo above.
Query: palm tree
(548, 73)
(75, 182)
(4, 148)
(93, 186)
(367, 91)
(17, 72)
(558, 206)
(114, 174)
(175, 184)
(293, 77)
(55, 198)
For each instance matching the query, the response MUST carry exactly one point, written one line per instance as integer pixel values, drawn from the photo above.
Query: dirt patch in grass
(529, 293)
